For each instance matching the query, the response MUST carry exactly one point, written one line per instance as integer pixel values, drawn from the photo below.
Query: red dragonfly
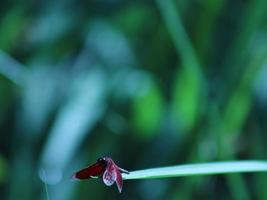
(106, 168)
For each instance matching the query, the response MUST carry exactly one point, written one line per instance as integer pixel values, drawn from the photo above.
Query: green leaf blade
(199, 169)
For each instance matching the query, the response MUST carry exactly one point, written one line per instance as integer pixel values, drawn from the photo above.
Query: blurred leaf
(50, 26)
(205, 25)
(41, 94)
(74, 121)
(11, 27)
(110, 44)
(237, 111)
(11, 69)
(234, 116)
(240, 102)
(248, 26)
(148, 110)
(186, 99)
(189, 84)
(180, 38)
(133, 19)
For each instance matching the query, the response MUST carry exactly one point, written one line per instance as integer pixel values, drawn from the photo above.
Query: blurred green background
(149, 83)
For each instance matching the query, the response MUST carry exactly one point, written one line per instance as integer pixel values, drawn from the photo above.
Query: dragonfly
(106, 168)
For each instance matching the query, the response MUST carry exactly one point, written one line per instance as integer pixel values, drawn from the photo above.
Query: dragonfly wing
(119, 180)
(92, 171)
(110, 175)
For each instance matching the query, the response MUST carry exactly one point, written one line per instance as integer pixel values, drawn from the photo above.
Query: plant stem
(199, 169)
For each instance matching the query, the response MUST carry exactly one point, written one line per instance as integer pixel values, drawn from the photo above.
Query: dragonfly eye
(101, 160)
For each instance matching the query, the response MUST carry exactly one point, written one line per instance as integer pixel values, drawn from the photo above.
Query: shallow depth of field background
(148, 83)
